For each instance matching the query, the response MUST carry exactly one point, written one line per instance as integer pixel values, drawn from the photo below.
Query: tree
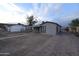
(31, 20)
(74, 22)
(19, 23)
(3, 26)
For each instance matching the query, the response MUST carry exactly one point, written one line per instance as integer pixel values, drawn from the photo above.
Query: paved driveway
(32, 44)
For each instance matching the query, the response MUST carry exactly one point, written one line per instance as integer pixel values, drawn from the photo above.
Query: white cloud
(12, 7)
(13, 14)
(45, 10)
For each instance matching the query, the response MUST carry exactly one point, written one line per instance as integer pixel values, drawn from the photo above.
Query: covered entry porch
(39, 29)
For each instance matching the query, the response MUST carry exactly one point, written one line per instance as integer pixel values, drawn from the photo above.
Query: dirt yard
(35, 44)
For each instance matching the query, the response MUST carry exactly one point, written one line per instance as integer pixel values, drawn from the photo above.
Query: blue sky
(61, 13)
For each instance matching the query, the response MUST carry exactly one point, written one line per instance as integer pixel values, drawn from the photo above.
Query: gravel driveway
(36, 44)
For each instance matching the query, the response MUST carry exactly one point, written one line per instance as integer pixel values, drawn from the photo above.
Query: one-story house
(74, 29)
(13, 27)
(48, 28)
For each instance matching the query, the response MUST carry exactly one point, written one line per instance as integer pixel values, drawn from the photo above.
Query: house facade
(77, 29)
(50, 28)
(16, 28)
(13, 27)
(74, 29)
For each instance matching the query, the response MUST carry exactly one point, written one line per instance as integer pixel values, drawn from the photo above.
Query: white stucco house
(16, 28)
(13, 27)
(50, 28)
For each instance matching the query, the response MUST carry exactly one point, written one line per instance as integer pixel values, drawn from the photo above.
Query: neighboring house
(13, 27)
(48, 27)
(74, 29)
(16, 28)
(77, 29)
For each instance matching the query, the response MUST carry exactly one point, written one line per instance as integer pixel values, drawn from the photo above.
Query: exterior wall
(29, 28)
(58, 29)
(73, 29)
(50, 28)
(70, 30)
(77, 29)
(16, 28)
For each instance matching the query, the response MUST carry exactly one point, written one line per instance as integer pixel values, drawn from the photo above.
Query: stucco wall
(50, 28)
(77, 29)
(16, 28)
(58, 28)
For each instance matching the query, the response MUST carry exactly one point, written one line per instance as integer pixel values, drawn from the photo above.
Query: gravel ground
(36, 44)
